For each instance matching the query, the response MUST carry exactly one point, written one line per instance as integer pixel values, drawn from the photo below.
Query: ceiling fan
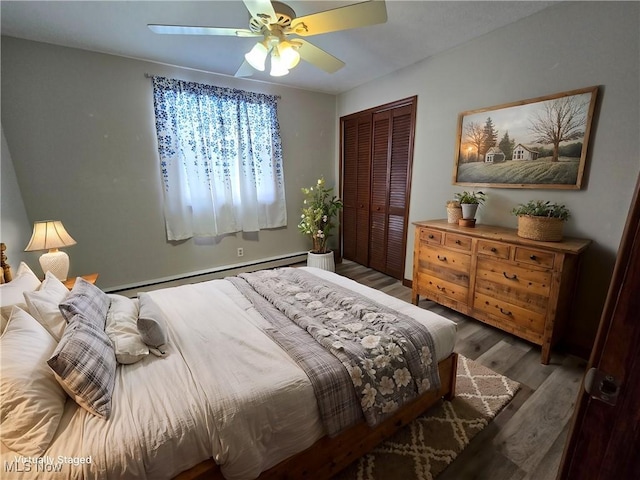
(279, 30)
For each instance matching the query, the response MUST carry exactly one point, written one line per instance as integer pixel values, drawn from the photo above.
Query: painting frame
(547, 148)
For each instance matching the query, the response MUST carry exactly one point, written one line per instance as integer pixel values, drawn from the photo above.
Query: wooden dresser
(521, 286)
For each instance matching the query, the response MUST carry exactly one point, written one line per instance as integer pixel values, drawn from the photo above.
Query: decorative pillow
(11, 293)
(43, 305)
(85, 365)
(152, 325)
(31, 401)
(122, 329)
(87, 300)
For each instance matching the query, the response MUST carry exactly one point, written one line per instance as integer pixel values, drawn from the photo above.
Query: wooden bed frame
(5, 269)
(328, 456)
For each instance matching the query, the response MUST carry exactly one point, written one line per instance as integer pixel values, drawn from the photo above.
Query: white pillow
(31, 401)
(11, 293)
(122, 330)
(43, 305)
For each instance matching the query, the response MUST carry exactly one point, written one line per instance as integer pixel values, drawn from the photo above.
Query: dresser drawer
(514, 277)
(534, 257)
(457, 241)
(510, 317)
(434, 286)
(493, 249)
(430, 236)
(436, 259)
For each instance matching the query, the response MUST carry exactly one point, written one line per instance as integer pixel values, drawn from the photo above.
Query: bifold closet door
(390, 175)
(355, 188)
(377, 154)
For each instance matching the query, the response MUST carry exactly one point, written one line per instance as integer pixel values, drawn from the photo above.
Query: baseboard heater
(208, 274)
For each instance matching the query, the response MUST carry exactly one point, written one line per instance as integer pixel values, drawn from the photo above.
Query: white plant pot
(469, 210)
(324, 261)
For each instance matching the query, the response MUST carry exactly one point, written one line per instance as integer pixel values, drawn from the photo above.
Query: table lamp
(51, 235)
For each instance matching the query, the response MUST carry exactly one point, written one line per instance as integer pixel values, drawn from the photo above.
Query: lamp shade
(257, 56)
(278, 66)
(51, 235)
(47, 235)
(288, 54)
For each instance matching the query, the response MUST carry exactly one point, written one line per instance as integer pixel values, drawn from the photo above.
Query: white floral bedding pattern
(389, 356)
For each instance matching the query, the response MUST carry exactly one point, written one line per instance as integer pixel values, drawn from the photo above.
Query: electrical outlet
(240, 251)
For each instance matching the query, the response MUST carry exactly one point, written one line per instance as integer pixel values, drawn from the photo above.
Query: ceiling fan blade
(351, 16)
(318, 57)
(189, 30)
(245, 70)
(261, 9)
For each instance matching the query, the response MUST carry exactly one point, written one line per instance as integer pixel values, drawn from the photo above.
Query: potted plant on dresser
(469, 201)
(542, 221)
(319, 211)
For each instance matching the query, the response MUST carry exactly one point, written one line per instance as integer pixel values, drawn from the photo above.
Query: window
(221, 159)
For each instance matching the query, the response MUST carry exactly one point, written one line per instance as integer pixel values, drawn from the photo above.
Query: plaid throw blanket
(342, 338)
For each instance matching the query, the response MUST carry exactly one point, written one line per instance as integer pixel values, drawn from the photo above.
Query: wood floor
(526, 440)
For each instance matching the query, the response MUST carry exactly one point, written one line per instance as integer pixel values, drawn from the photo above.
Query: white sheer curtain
(221, 159)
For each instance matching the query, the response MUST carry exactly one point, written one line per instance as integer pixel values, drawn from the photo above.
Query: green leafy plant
(471, 197)
(538, 208)
(318, 214)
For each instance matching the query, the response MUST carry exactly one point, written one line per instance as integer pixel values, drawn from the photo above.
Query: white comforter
(224, 391)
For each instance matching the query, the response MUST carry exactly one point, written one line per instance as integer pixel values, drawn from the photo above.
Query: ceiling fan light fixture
(278, 66)
(257, 56)
(288, 54)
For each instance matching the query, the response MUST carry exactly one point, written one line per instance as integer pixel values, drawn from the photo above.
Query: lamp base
(56, 262)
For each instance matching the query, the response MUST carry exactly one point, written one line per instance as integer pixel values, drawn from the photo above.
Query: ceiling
(414, 31)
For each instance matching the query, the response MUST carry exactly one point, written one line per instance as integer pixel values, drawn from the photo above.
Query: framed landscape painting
(536, 143)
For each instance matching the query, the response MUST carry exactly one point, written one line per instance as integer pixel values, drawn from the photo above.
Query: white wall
(81, 130)
(569, 46)
(15, 229)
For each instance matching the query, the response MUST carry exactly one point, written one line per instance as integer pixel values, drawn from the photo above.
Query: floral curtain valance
(221, 159)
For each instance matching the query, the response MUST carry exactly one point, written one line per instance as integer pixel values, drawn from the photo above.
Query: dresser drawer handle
(442, 259)
(440, 288)
(510, 277)
(431, 235)
(505, 312)
(533, 257)
(494, 249)
(458, 242)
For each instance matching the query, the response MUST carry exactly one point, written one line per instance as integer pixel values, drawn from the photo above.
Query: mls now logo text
(36, 465)
(21, 464)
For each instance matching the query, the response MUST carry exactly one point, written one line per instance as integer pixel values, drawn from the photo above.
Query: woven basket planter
(543, 229)
(454, 214)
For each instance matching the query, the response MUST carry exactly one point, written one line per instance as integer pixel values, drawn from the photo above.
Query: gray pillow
(84, 364)
(152, 325)
(87, 300)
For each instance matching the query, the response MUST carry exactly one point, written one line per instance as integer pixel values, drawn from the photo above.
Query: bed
(217, 396)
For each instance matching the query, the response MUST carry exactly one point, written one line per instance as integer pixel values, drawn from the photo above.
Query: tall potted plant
(319, 211)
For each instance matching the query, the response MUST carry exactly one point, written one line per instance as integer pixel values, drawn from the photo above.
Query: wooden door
(356, 155)
(377, 154)
(604, 441)
(390, 175)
